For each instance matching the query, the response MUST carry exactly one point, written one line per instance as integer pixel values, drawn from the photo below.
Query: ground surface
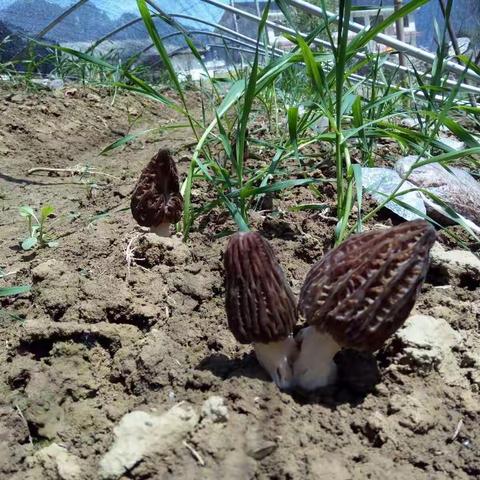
(98, 340)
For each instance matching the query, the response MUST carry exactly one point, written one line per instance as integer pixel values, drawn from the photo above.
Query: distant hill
(12, 44)
(84, 25)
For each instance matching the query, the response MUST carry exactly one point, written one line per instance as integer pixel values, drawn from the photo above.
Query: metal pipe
(217, 26)
(115, 31)
(197, 32)
(397, 4)
(318, 41)
(387, 40)
(391, 65)
(231, 47)
(60, 18)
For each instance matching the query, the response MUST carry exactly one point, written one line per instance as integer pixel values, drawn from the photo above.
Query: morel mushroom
(156, 201)
(358, 295)
(261, 308)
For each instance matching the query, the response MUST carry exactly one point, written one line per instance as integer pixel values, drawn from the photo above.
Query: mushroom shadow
(358, 374)
(224, 367)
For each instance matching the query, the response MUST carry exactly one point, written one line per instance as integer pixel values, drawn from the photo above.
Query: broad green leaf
(26, 211)
(46, 211)
(461, 132)
(11, 291)
(236, 91)
(29, 243)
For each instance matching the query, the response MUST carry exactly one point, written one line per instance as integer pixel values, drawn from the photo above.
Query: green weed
(38, 232)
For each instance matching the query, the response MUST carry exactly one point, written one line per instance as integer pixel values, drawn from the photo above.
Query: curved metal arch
(197, 32)
(115, 31)
(227, 47)
(174, 15)
(231, 47)
(60, 18)
(244, 50)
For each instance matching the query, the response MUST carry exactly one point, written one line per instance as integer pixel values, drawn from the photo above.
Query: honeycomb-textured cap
(259, 302)
(362, 292)
(156, 198)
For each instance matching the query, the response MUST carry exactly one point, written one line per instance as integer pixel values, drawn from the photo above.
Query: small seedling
(37, 231)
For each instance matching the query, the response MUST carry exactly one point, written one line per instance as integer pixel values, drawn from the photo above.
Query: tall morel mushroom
(261, 308)
(156, 201)
(358, 295)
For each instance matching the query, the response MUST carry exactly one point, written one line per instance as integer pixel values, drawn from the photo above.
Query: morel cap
(156, 198)
(259, 302)
(362, 292)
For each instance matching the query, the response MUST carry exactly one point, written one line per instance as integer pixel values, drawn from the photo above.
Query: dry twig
(76, 170)
(30, 440)
(457, 430)
(195, 454)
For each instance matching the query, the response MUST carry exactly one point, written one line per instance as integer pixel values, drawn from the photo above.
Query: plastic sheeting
(94, 19)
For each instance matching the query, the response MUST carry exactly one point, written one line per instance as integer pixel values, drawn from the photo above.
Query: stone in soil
(141, 433)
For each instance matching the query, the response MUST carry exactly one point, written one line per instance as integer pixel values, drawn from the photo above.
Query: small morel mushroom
(358, 295)
(156, 201)
(261, 308)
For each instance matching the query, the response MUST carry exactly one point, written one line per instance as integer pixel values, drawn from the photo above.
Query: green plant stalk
(340, 62)
(41, 232)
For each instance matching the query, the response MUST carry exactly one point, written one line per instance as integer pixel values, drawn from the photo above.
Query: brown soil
(96, 339)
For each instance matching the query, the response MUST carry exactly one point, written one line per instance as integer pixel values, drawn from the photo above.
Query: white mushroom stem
(314, 366)
(276, 358)
(162, 230)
